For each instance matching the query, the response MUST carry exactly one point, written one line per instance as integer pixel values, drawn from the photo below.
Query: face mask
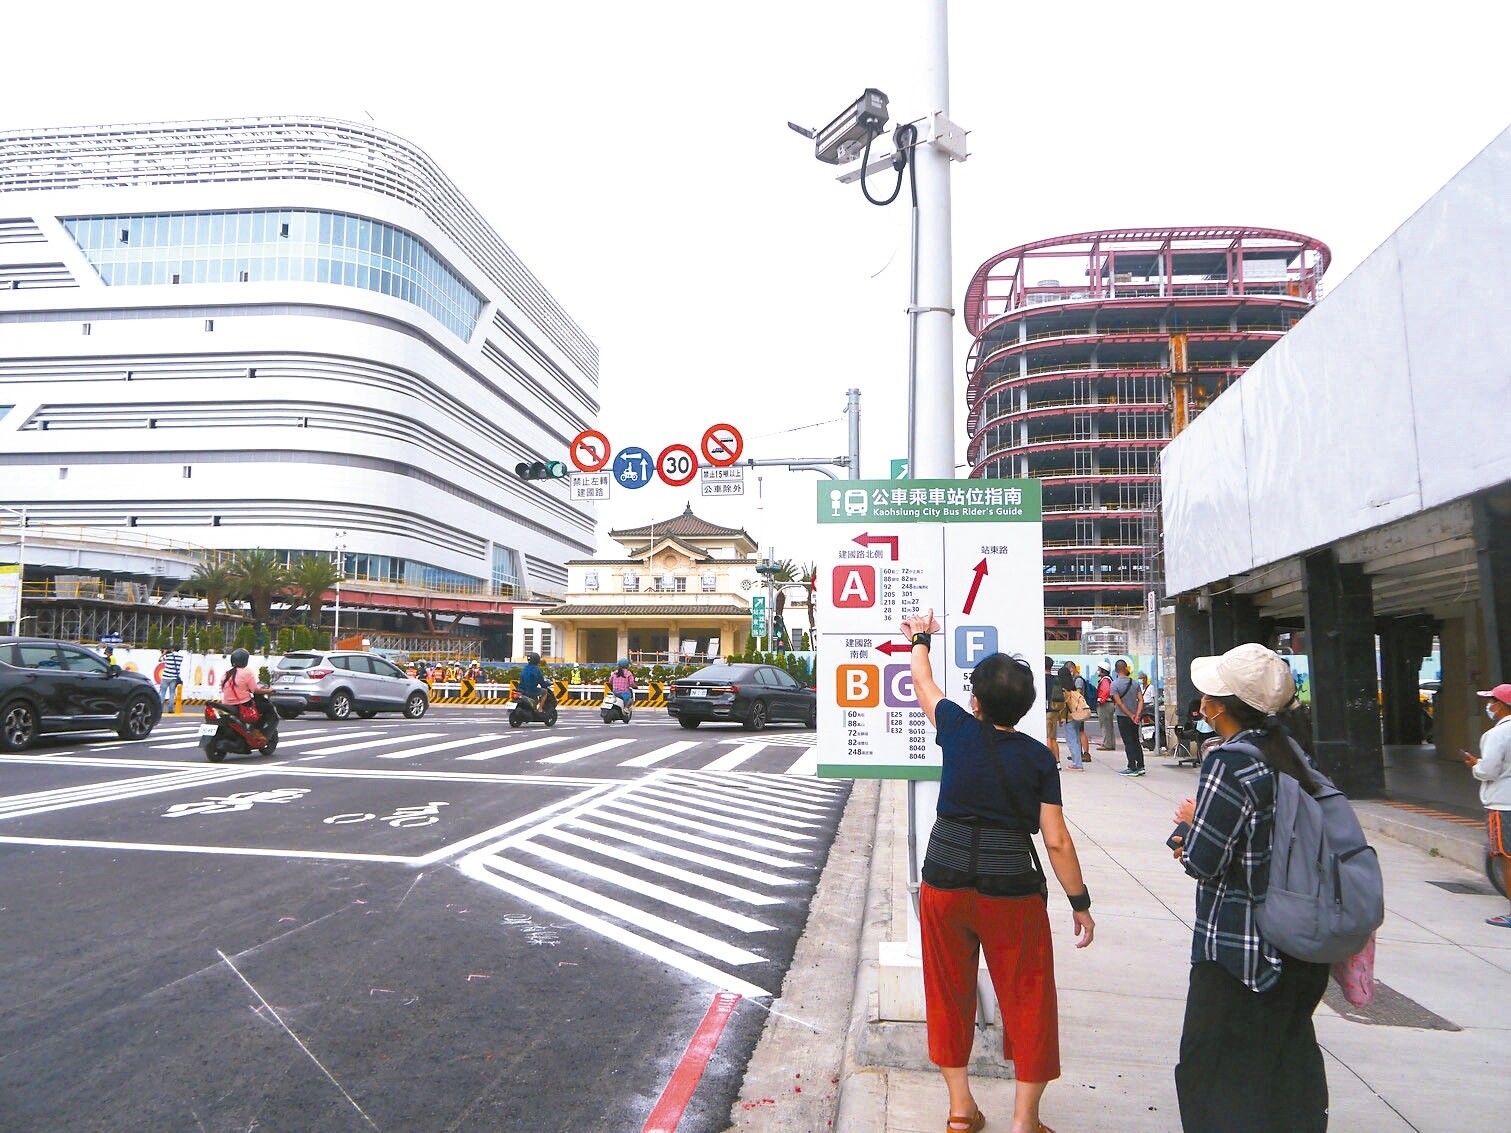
(1490, 712)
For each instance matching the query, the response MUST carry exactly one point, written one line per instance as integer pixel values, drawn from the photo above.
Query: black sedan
(753, 695)
(52, 686)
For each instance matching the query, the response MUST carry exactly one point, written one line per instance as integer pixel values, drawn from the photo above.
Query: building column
(1404, 642)
(1492, 542)
(622, 642)
(1193, 638)
(1340, 632)
(1235, 621)
(1455, 709)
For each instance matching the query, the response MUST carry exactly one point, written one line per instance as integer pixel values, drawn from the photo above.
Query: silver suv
(339, 682)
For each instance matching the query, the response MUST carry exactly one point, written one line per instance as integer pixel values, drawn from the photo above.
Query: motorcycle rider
(238, 690)
(532, 681)
(622, 685)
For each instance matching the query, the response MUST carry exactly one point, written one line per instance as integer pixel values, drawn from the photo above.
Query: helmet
(624, 662)
(239, 658)
(532, 658)
(1105, 663)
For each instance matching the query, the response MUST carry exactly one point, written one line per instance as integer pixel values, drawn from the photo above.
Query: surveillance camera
(843, 139)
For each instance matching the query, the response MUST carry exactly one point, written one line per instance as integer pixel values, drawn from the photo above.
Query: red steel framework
(1070, 381)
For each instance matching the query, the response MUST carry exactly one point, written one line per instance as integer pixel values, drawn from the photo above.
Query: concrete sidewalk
(1427, 1056)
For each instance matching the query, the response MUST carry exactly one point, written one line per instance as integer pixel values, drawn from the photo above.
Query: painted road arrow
(866, 540)
(970, 599)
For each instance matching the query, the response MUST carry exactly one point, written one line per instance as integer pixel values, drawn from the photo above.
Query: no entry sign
(590, 450)
(677, 465)
(722, 445)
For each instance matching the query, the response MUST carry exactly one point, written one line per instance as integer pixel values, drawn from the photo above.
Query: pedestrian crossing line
(701, 881)
(410, 753)
(512, 749)
(709, 803)
(691, 856)
(658, 813)
(817, 791)
(164, 783)
(584, 752)
(648, 922)
(650, 796)
(689, 839)
(730, 794)
(58, 794)
(730, 760)
(651, 758)
(478, 871)
(776, 739)
(340, 749)
(301, 741)
(806, 765)
(661, 893)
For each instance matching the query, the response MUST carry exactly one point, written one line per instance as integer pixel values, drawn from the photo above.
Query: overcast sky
(635, 153)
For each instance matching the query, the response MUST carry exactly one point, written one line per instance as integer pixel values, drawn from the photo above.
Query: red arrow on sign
(970, 599)
(891, 647)
(866, 540)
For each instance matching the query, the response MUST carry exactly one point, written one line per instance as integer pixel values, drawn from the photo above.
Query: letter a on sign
(854, 586)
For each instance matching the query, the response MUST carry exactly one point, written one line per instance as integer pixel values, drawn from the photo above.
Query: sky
(636, 155)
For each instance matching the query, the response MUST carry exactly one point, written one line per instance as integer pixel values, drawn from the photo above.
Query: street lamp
(340, 574)
(20, 565)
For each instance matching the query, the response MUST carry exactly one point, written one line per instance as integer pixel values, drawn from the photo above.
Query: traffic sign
(590, 486)
(722, 445)
(758, 615)
(899, 470)
(723, 481)
(677, 465)
(590, 450)
(633, 467)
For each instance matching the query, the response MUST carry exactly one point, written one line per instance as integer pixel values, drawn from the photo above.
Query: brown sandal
(971, 1124)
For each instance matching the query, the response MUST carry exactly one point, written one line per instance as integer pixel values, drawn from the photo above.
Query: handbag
(1079, 709)
(1355, 976)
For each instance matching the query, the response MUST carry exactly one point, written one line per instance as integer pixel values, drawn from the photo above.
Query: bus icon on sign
(855, 501)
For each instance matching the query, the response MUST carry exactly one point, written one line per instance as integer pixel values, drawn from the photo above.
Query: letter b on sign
(857, 686)
(854, 586)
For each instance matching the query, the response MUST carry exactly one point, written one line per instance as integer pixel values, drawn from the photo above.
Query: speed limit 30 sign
(676, 465)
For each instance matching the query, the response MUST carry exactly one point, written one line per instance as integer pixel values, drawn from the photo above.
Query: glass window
(765, 676)
(384, 669)
(39, 656)
(218, 228)
(176, 231)
(82, 661)
(325, 228)
(243, 228)
(590, 580)
(784, 679)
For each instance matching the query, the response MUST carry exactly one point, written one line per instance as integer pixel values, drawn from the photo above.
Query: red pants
(1014, 931)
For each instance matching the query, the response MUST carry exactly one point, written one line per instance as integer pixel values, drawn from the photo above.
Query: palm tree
(215, 581)
(810, 576)
(260, 579)
(309, 578)
(785, 571)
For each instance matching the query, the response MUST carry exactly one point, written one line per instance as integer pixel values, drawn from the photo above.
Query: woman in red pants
(983, 887)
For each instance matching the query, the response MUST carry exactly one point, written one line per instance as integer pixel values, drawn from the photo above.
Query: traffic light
(540, 470)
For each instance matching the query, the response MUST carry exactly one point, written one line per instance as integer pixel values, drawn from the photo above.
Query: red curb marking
(684, 1080)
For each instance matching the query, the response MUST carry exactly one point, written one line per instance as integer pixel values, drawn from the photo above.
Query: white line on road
(619, 854)
(510, 749)
(730, 760)
(389, 739)
(426, 750)
(683, 854)
(651, 758)
(662, 831)
(584, 752)
(806, 765)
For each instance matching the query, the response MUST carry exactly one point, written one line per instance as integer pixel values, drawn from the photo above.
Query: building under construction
(1090, 352)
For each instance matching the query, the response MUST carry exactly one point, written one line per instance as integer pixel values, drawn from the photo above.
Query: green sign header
(929, 501)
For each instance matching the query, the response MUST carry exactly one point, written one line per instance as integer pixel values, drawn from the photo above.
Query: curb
(1441, 835)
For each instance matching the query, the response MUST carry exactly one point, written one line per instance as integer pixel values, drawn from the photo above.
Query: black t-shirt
(969, 787)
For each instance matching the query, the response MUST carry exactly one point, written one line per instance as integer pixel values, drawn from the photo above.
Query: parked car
(339, 682)
(753, 695)
(52, 686)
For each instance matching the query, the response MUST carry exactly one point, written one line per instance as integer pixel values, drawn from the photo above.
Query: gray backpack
(1326, 892)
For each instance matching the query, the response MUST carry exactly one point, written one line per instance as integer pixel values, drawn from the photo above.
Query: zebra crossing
(697, 870)
(631, 749)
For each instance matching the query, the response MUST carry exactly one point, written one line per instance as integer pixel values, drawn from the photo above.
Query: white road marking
(728, 825)
(89, 792)
(657, 812)
(426, 750)
(692, 857)
(162, 783)
(651, 758)
(510, 749)
(735, 892)
(663, 831)
(729, 792)
(733, 759)
(762, 816)
(387, 739)
(806, 765)
(584, 752)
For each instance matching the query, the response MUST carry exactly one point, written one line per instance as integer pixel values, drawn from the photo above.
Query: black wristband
(921, 638)
(1082, 903)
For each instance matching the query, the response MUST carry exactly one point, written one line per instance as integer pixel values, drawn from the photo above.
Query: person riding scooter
(622, 685)
(532, 681)
(238, 692)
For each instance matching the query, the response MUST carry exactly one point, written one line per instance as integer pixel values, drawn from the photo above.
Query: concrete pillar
(1403, 644)
(1235, 620)
(1345, 706)
(1455, 709)
(1193, 638)
(1492, 542)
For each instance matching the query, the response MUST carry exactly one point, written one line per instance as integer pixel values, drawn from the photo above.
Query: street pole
(852, 408)
(20, 571)
(340, 573)
(770, 605)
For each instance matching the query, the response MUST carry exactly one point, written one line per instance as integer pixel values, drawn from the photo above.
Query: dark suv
(51, 686)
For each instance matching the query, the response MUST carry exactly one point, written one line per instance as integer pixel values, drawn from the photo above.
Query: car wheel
(757, 720)
(689, 724)
(290, 713)
(515, 719)
(18, 726)
(367, 713)
(811, 720)
(136, 719)
(417, 704)
(340, 707)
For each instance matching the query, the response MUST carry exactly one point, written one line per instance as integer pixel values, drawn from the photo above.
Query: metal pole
(20, 572)
(853, 409)
(340, 573)
(770, 605)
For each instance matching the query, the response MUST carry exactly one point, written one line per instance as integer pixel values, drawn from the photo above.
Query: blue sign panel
(634, 467)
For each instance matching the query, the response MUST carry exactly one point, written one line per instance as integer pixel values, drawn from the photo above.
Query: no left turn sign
(677, 465)
(590, 450)
(722, 445)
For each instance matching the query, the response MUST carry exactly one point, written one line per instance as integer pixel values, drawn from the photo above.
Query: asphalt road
(442, 924)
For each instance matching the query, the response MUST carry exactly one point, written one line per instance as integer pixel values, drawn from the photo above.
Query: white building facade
(293, 334)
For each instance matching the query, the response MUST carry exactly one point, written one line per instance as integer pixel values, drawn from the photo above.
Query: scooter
(226, 732)
(613, 710)
(1189, 739)
(524, 711)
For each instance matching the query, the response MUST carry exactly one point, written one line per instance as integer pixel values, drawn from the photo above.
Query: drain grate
(1475, 888)
(1390, 1009)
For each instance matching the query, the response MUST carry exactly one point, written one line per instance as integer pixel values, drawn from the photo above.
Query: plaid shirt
(1228, 852)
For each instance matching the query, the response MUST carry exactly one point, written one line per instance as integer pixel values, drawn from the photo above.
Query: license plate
(207, 730)
(697, 692)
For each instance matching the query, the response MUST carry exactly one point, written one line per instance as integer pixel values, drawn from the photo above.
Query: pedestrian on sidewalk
(1054, 708)
(1249, 1060)
(1492, 767)
(1077, 711)
(1104, 705)
(983, 886)
(1126, 704)
(172, 676)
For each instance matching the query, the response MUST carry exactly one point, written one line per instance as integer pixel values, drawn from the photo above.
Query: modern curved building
(287, 333)
(1070, 381)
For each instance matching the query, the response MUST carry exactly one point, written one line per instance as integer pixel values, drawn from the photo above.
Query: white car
(339, 682)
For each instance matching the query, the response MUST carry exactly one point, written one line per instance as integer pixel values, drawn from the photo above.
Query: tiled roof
(687, 525)
(568, 610)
